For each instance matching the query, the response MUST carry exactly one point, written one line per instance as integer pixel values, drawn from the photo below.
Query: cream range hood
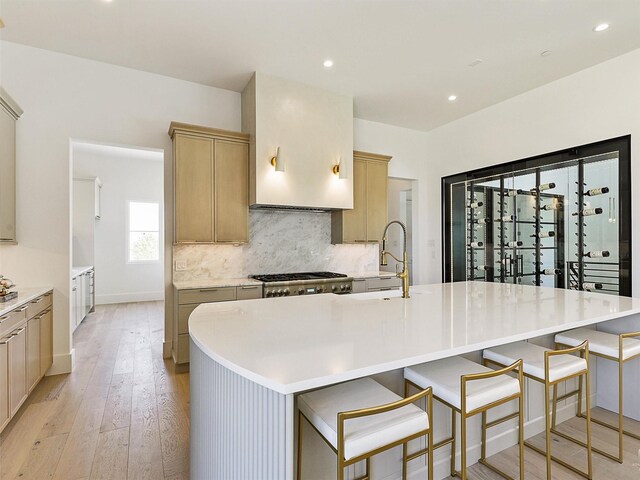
(310, 130)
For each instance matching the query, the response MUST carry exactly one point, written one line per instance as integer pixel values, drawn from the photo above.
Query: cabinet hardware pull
(249, 287)
(385, 289)
(22, 309)
(203, 290)
(2, 319)
(386, 278)
(73, 289)
(37, 300)
(359, 279)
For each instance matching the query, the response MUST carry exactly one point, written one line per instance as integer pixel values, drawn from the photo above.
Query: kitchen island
(250, 358)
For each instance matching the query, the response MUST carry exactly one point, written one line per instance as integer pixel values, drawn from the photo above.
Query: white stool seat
(600, 342)
(444, 376)
(365, 434)
(560, 366)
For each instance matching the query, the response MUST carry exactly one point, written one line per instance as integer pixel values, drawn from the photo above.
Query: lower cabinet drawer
(205, 295)
(247, 292)
(359, 285)
(182, 355)
(382, 283)
(38, 305)
(11, 320)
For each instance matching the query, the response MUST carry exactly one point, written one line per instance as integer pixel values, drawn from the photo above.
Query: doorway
(400, 196)
(117, 224)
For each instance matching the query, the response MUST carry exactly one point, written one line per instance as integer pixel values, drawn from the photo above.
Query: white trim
(128, 297)
(62, 363)
(167, 346)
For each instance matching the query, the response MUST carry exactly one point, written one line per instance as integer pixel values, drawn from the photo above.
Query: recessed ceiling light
(328, 63)
(452, 98)
(546, 53)
(601, 28)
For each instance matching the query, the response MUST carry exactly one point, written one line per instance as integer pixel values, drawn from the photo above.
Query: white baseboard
(167, 346)
(62, 363)
(129, 297)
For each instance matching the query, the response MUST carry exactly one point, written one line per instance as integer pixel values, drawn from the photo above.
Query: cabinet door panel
(17, 346)
(376, 200)
(33, 352)
(193, 189)
(231, 192)
(355, 221)
(4, 384)
(8, 177)
(46, 342)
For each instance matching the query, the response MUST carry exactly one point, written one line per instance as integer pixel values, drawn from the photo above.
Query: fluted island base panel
(239, 429)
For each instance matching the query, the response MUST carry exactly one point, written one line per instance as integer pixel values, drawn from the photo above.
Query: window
(144, 232)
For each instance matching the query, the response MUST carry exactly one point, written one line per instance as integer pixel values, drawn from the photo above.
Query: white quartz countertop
(215, 283)
(75, 271)
(25, 295)
(297, 343)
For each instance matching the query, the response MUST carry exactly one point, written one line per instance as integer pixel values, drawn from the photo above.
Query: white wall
(66, 97)
(595, 104)
(124, 179)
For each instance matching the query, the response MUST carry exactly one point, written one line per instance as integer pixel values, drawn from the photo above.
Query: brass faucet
(404, 274)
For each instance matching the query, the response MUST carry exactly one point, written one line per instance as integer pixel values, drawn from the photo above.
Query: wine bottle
(476, 205)
(516, 243)
(597, 254)
(550, 271)
(544, 234)
(596, 191)
(513, 193)
(506, 218)
(591, 286)
(545, 186)
(480, 267)
(549, 206)
(476, 244)
(481, 220)
(589, 211)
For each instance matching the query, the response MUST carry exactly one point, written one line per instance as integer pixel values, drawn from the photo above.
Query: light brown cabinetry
(4, 383)
(17, 349)
(186, 301)
(9, 113)
(366, 221)
(33, 352)
(211, 185)
(26, 352)
(376, 284)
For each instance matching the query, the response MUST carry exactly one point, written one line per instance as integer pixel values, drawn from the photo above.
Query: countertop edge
(23, 298)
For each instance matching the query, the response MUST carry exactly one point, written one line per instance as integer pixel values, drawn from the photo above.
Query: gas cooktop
(293, 277)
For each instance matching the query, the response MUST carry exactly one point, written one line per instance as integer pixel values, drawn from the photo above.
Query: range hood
(309, 131)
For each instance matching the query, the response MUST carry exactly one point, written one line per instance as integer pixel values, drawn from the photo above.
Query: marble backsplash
(279, 241)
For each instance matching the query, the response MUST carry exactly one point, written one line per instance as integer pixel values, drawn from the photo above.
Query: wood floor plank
(19, 437)
(112, 454)
(117, 412)
(174, 434)
(145, 450)
(43, 458)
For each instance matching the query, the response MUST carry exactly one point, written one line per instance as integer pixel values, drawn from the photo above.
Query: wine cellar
(558, 220)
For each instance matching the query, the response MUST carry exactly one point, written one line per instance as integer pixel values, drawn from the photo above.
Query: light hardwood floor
(124, 414)
(121, 414)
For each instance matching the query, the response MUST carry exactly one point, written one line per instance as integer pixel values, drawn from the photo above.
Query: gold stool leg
(453, 443)
(483, 440)
(430, 439)
(554, 415)
(546, 428)
(620, 405)
(588, 405)
(521, 423)
(404, 461)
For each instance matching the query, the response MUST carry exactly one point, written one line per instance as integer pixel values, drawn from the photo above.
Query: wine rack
(543, 221)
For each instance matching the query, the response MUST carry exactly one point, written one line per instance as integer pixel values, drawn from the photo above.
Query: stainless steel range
(307, 283)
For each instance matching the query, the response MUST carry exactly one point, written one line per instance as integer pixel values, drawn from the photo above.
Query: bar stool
(469, 388)
(550, 367)
(361, 418)
(617, 348)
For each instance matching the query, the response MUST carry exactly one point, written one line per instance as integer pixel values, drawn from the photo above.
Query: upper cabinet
(9, 113)
(366, 222)
(211, 185)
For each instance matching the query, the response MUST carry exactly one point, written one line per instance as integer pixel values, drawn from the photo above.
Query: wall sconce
(277, 162)
(340, 172)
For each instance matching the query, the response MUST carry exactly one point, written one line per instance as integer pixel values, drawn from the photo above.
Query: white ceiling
(399, 59)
